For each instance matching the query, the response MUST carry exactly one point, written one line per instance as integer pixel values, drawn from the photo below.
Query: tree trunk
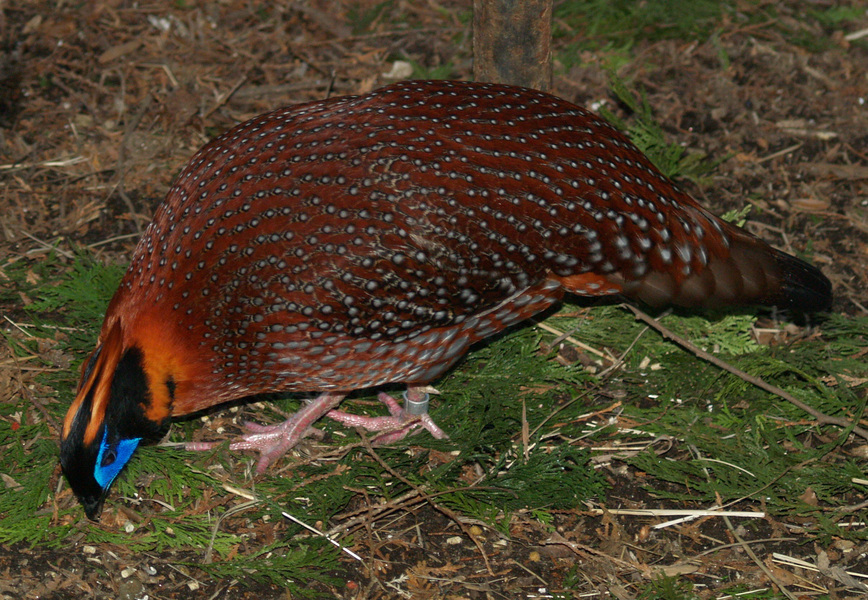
(512, 42)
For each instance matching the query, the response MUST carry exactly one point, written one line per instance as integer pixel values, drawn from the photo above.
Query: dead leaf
(809, 497)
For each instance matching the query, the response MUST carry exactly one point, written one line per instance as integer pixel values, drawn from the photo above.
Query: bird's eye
(111, 458)
(108, 457)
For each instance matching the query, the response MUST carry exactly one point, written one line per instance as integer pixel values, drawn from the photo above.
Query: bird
(365, 240)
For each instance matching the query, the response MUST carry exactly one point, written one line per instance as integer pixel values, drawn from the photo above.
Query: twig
(744, 545)
(224, 97)
(48, 246)
(24, 391)
(323, 535)
(803, 564)
(114, 239)
(735, 544)
(573, 341)
(583, 551)
(851, 37)
(772, 389)
(447, 512)
(206, 559)
(666, 512)
(365, 513)
(792, 148)
(60, 163)
(620, 361)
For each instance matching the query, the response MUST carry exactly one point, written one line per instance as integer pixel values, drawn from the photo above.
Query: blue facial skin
(112, 458)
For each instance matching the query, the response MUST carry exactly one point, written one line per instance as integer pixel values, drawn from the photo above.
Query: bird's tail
(751, 272)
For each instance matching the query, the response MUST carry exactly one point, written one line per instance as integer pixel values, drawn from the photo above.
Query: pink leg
(401, 421)
(272, 441)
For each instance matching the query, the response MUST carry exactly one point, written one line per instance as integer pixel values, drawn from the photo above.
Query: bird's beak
(93, 507)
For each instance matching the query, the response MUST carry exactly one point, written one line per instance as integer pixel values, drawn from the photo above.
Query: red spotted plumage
(365, 240)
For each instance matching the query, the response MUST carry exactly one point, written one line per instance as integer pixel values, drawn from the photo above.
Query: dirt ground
(102, 103)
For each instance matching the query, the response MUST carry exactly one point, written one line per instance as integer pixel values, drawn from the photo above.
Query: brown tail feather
(752, 273)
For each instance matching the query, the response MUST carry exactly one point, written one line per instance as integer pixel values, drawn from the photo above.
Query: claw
(273, 441)
(401, 422)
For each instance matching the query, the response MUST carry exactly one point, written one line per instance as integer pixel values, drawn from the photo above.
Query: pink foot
(401, 421)
(272, 441)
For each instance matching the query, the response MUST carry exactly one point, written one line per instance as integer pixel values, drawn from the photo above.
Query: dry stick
(209, 549)
(116, 238)
(714, 549)
(562, 336)
(359, 516)
(47, 246)
(253, 502)
(819, 416)
(363, 514)
(614, 366)
(744, 545)
(756, 559)
(425, 495)
(224, 98)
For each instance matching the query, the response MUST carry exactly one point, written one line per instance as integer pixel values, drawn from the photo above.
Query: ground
(102, 103)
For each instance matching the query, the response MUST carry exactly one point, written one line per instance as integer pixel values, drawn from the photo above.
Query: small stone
(131, 589)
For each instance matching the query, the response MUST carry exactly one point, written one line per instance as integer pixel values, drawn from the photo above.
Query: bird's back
(364, 240)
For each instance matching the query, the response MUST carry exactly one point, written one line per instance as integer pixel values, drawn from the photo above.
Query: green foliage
(610, 30)
(722, 55)
(28, 460)
(317, 491)
(363, 17)
(832, 18)
(550, 478)
(839, 14)
(74, 296)
(645, 131)
(727, 332)
(439, 72)
(749, 442)
(624, 22)
(667, 588)
(614, 27)
(556, 478)
(737, 216)
(170, 476)
(82, 294)
(16, 274)
(746, 441)
(285, 564)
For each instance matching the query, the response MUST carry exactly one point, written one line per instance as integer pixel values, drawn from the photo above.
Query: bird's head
(114, 410)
